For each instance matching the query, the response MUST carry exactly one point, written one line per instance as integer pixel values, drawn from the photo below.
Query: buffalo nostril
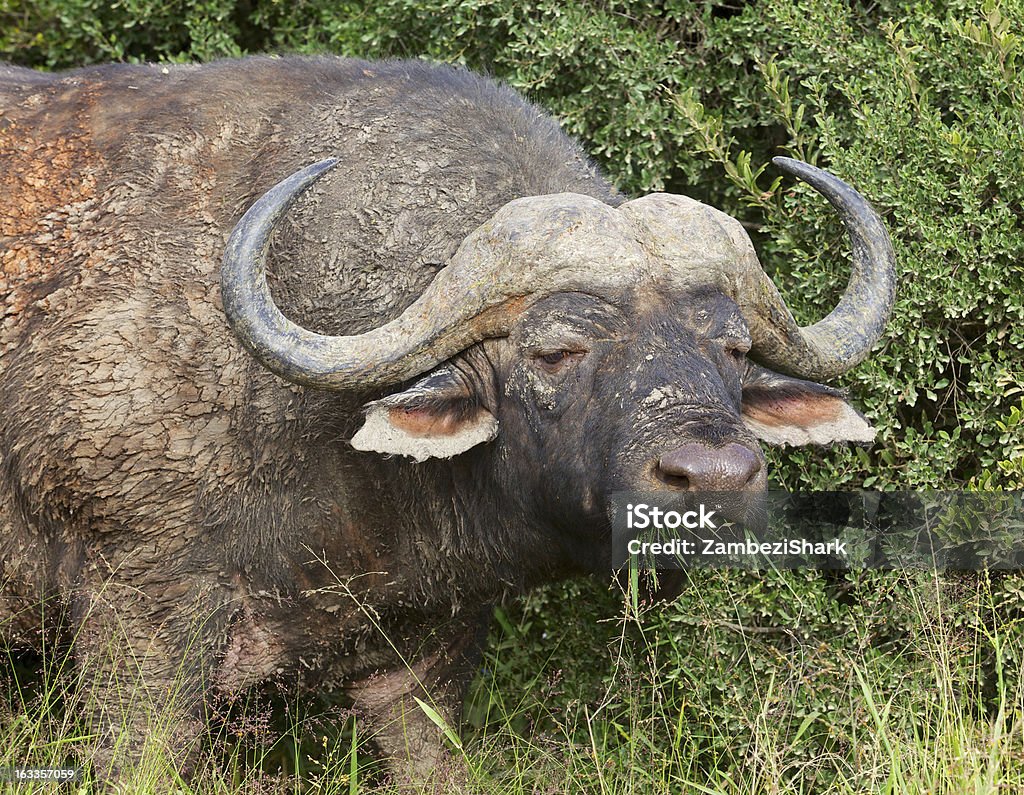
(699, 467)
(681, 482)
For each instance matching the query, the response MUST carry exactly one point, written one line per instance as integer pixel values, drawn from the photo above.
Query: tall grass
(941, 735)
(943, 728)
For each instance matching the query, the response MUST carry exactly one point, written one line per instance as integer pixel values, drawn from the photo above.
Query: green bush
(920, 105)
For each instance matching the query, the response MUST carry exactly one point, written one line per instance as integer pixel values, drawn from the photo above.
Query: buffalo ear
(437, 417)
(782, 410)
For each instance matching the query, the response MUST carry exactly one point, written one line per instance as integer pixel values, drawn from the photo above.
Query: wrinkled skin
(209, 524)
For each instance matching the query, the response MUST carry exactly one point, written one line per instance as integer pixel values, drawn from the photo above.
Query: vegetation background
(796, 681)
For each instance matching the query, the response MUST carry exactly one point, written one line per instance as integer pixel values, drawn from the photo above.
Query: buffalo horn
(844, 338)
(558, 242)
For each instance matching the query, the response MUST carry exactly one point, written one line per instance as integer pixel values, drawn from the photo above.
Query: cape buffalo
(304, 362)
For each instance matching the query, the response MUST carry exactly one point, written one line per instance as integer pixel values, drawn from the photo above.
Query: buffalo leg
(145, 659)
(408, 737)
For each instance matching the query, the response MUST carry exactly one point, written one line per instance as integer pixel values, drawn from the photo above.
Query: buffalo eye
(737, 351)
(556, 361)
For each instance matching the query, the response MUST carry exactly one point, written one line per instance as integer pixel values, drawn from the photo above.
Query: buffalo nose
(697, 467)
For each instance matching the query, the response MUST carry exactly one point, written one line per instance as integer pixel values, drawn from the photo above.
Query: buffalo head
(580, 349)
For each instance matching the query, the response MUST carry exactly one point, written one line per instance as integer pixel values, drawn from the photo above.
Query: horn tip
(792, 166)
(316, 169)
(826, 183)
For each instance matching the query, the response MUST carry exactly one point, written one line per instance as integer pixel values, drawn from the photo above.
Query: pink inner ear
(805, 410)
(422, 422)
